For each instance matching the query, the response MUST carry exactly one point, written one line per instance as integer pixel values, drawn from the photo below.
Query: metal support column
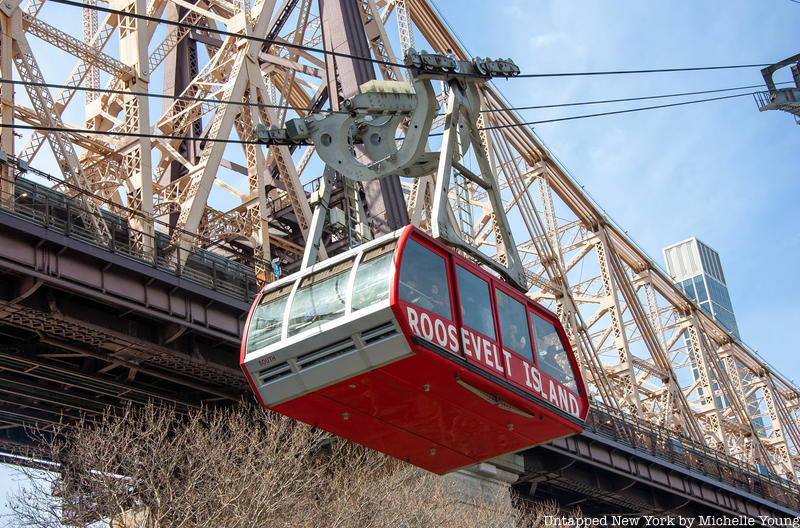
(180, 67)
(6, 106)
(343, 32)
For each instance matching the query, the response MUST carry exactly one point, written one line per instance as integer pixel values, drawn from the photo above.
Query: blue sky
(720, 171)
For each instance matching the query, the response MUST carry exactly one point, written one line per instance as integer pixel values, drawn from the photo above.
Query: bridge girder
(638, 337)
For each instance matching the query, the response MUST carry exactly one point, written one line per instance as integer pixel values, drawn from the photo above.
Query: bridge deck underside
(82, 330)
(599, 476)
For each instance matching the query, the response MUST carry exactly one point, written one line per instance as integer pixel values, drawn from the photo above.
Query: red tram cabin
(406, 347)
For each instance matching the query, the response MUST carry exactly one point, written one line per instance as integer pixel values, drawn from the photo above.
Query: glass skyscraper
(697, 270)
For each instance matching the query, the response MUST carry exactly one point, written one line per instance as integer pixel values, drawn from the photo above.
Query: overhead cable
(625, 99)
(621, 72)
(161, 96)
(570, 118)
(89, 131)
(222, 32)
(246, 142)
(265, 40)
(305, 109)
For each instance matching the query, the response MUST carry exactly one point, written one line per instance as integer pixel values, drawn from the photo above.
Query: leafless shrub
(536, 514)
(239, 467)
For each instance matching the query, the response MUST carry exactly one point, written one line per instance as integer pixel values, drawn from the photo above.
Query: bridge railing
(680, 450)
(57, 212)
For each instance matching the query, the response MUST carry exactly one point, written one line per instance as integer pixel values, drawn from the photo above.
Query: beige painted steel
(637, 335)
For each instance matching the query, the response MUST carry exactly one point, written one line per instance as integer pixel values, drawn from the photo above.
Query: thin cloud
(547, 39)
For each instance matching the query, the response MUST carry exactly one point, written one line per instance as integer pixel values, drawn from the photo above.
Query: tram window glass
(551, 355)
(423, 280)
(513, 325)
(267, 319)
(373, 277)
(320, 298)
(476, 304)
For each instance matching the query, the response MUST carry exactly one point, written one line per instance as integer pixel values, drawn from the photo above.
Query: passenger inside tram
(517, 340)
(476, 304)
(511, 314)
(436, 298)
(410, 292)
(423, 280)
(552, 357)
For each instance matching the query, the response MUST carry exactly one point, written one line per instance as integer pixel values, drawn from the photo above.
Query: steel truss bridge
(126, 273)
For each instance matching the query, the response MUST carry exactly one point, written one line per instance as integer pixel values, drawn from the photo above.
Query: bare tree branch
(150, 467)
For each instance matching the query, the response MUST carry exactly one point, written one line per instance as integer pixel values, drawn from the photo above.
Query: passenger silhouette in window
(513, 325)
(411, 290)
(423, 280)
(517, 340)
(549, 348)
(553, 359)
(436, 298)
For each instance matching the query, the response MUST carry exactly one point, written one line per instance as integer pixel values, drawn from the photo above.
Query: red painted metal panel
(362, 428)
(416, 410)
(482, 352)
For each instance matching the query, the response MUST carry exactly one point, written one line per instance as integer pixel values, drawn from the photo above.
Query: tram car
(407, 347)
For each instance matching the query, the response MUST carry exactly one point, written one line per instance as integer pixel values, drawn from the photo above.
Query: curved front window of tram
(319, 298)
(267, 319)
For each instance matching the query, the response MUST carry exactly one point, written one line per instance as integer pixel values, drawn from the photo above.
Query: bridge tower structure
(186, 174)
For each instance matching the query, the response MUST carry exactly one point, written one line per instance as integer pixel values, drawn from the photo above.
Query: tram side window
(373, 278)
(513, 325)
(551, 355)
(267, 319)
(476, 303)
(319, 299)
(423, 280)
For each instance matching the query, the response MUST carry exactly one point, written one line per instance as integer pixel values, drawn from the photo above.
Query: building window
(702, 293)
(688, 287)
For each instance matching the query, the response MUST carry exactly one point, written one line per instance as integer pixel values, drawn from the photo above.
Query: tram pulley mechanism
(362, 145)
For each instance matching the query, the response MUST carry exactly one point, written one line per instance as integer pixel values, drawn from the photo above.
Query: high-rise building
(696, 269)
